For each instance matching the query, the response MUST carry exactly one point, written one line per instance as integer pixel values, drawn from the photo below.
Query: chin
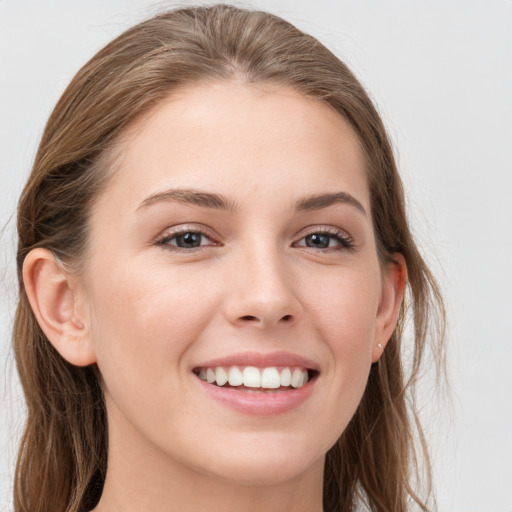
(265, 460)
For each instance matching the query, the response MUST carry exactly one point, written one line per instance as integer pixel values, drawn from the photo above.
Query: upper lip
(261, 360)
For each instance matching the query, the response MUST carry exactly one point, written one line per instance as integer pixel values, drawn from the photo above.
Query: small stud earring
(380, 346)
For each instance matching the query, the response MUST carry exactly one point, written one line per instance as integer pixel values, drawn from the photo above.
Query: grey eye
(325, 240)
(189, 240)
(318, 240)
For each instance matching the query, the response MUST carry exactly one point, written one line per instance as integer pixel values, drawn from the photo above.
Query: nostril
(252, 318)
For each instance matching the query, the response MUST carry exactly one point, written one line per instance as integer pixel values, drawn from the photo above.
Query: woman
(213, 255)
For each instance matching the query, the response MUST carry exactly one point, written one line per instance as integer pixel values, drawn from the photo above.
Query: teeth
(252, 377)
(235, 376)
(210, 375)
(270, 378)
(286, 377)
(297, 378)
(221, 376)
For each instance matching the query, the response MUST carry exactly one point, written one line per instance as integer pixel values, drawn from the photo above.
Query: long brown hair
(63, 454)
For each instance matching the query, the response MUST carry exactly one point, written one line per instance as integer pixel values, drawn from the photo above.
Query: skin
(148, 312)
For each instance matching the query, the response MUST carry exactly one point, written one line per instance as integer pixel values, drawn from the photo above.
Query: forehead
(231, 135)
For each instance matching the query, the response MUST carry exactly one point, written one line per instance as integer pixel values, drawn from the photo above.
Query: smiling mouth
(252, 379)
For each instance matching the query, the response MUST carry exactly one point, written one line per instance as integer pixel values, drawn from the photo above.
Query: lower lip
(263, 404)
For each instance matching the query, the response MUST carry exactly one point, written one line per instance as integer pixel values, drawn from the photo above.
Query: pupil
(317, 240)
(188, 240)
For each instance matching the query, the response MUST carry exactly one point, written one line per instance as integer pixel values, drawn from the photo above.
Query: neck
(140, 477)
(201, 493)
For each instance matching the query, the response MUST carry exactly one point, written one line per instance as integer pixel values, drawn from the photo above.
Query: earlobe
(52, 294)
(393, 289)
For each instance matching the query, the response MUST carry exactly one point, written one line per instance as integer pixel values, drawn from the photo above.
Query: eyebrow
(220, 202)
(190, 196)
(319, 201)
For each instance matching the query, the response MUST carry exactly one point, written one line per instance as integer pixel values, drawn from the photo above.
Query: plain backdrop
(440, 73)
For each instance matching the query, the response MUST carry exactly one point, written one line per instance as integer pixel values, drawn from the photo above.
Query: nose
(261, 291)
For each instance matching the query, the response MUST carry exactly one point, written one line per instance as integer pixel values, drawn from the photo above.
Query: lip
(263, 404)
(260, 403)
(261, 360)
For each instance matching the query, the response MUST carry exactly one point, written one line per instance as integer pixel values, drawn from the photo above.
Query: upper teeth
(253, 377)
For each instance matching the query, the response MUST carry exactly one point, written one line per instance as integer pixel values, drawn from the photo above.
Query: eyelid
(180, 229)
(346, 240)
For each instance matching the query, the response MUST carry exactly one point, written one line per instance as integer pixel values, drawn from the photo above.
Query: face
(235, 242)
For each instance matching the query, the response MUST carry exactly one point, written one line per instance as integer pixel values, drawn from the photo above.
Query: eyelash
(163, 242)
(345, 242)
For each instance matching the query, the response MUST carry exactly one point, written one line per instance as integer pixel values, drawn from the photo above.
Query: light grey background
(441, 74)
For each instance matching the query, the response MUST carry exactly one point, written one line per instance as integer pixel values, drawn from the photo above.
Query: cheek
(144, 322)
(345, 311)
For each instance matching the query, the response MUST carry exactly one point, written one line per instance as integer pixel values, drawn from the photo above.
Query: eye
(185, 239)
(321, 240)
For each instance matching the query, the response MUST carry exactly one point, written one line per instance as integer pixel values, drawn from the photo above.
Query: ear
(54, 299)
(394, 279)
